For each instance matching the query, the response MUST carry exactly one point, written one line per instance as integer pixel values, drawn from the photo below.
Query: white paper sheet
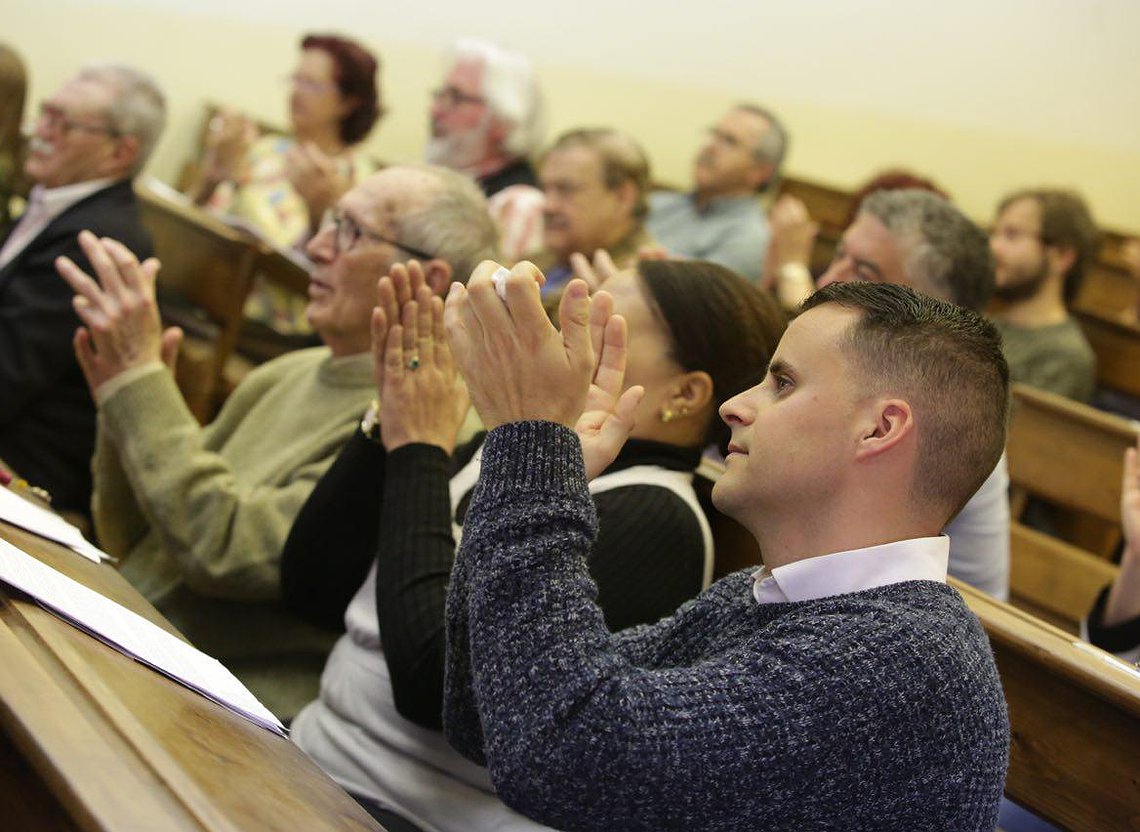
(131, 634)
(38, 520)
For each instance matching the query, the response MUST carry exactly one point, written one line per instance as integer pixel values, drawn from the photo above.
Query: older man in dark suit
(92, 136)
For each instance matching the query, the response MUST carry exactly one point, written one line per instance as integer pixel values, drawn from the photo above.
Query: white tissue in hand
(499, 278)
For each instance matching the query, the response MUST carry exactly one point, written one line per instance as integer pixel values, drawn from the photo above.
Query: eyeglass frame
(57, 119)
(454, 97)
(337, 219)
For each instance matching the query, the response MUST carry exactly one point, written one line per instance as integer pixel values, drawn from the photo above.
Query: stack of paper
(131, 634)
(37, 520)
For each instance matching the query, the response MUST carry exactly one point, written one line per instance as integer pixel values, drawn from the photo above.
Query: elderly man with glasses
(200, 515)
(91, 137)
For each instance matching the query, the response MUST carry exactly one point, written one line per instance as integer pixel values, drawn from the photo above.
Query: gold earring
(668, 415)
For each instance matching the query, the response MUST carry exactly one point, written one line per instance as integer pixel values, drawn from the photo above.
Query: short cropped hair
(356, 71)
(1065, 223)
(622, 159)
(945, 255)
(454, 224)
(946, 361)
(137, 108)
(717, 322)
(511, 91)
(772, 147)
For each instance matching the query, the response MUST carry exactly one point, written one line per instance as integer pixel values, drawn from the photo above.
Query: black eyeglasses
(56, 119)
(347, 231)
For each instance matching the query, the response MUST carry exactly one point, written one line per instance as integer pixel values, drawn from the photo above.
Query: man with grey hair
(487, 121)
(91, 137)
(721, 219)
(200, 515)
(916, 238)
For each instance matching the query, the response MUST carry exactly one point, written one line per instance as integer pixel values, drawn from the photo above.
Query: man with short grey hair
(91, 137)
(721, 219)
(487, 121)
(200, 515)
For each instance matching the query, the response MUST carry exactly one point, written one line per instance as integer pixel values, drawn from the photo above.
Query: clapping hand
(421, 399)
(123, 329)
(316, 179)
(518, 367)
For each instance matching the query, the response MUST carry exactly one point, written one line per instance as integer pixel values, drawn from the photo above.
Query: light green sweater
(199, 515)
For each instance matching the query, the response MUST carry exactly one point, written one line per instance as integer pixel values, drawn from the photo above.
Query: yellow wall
(983, 95)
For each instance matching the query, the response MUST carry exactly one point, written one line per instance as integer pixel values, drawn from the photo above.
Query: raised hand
(120, 313)
(393, 291)
(316, 178)
(595, 273)
(517, 366)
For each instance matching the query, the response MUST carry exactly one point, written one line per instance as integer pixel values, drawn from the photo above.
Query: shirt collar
(58, 200)
(919, 559)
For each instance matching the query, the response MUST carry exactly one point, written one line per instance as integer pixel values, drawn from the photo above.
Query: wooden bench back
(1117, 347)
(207, 272)
(1067, 453)
(1074, 711)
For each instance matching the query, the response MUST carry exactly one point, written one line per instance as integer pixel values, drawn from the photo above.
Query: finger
(485, 303)
(604, 265)
(1129, 483)
(455, 318)
(610, 374)
(574, 316)
(104, 266)
(583, 270)
(410, 329)
(627, 405)
(386, 297)
(601, 307)
(442, 357)
(84, 351)
(126, 263)
(416, 277)
(424, 347)
(523, 298)
(379, 329)
(80, 282)
(402, 282)
(171, 343)
(393, 357)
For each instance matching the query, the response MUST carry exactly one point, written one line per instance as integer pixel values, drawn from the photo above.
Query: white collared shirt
(920, 559)
(44, 205)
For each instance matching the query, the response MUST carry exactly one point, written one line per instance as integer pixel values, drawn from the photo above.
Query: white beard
(463, 152)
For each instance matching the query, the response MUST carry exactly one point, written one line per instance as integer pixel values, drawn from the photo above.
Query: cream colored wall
(983, 95)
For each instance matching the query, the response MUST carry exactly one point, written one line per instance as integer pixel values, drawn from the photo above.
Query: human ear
(889, 422)
(1062, 258)
(437, 276)
(688, 393)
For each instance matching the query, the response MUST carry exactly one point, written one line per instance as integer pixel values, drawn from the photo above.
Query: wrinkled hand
(596, 273)
(420, 398)
(608, 415)
(316, 179)
(228, 140)
(517, 366)
(393, 291)
(123, 327)
(793, 233)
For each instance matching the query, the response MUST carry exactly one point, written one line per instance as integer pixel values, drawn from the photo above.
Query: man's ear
(890, 421)
(1061, 258)
(437, 275)
(627, 194)
(761, 174)
(124, 152)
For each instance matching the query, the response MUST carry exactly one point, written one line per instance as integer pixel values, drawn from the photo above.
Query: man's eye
(869, 275)
(781, 383)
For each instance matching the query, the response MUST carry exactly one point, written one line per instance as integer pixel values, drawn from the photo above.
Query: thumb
(171, 341)
(574, 317)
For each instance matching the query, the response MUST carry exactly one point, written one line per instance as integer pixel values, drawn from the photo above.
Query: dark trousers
(389, 820)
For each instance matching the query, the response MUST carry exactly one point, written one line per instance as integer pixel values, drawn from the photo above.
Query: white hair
(510, 90)
(137, 108)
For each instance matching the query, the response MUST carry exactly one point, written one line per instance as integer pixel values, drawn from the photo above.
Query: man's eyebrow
(869, 265)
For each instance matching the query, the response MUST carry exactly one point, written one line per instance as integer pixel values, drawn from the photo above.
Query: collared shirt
(920, 559)
(44, 205)
(732, 231)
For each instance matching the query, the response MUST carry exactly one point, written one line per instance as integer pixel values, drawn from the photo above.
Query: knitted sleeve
(333, 540)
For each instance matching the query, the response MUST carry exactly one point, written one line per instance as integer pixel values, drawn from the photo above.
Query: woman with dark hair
(378, 534)
(283, 184)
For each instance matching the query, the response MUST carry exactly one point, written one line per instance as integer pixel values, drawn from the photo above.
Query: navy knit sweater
(876, 710)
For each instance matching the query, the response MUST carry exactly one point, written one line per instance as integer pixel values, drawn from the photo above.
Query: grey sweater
(876, 710)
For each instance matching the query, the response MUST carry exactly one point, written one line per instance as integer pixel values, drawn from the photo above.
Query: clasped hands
(518, 367)
(122, 327)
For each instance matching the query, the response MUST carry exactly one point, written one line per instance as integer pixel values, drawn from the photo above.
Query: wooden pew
(1070, 455)
(1074, 712)
(207, 272)
(92, 740)
(1116, 342)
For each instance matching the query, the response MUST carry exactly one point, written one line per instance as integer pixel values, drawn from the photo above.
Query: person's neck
(1046, 308)
(703, 198)
(327, 139)
(491, 165)
(344, 347)
(791, 538)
